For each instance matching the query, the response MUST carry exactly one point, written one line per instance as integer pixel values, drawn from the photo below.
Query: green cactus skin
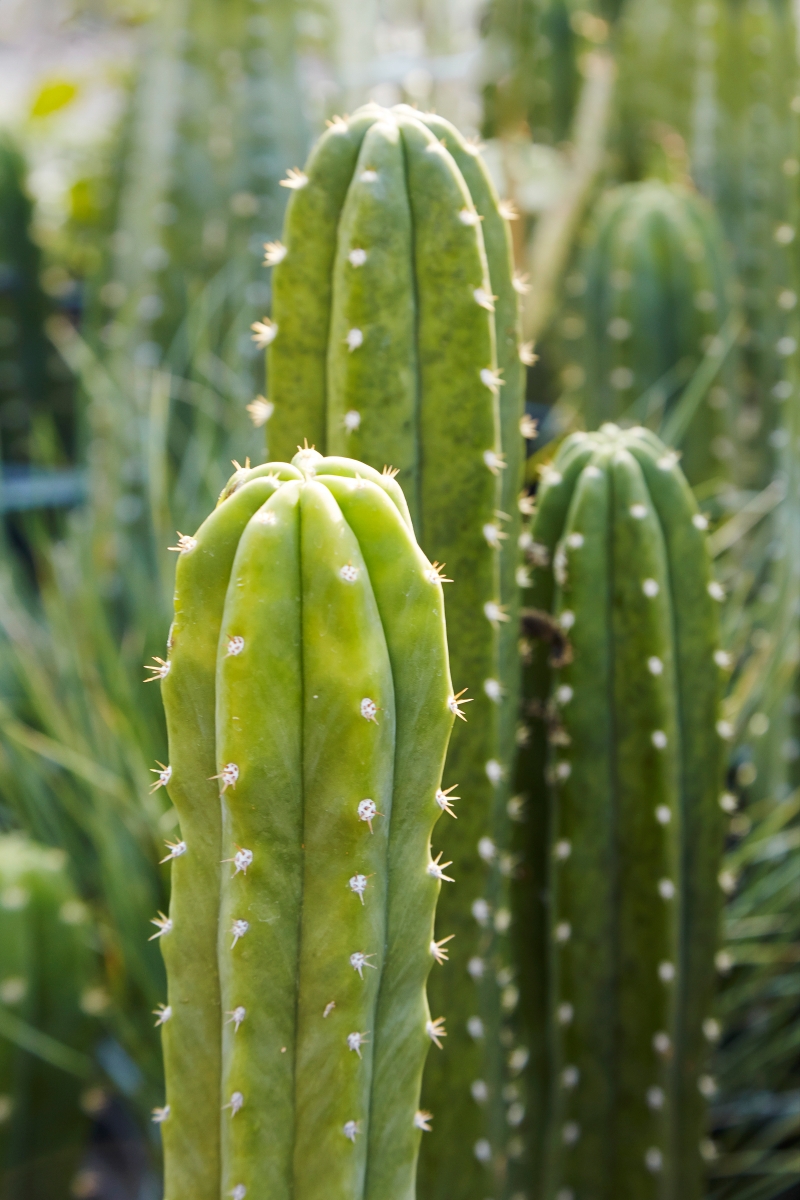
(630, 820)
(308, 673)
(393, 234)
(49, 980)
(657, 289)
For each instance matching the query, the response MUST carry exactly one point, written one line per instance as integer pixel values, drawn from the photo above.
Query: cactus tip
(234, 647)
(160, 1115)
(260, 411)
(349, 573)
(358, 884)
(354, 339)
(352, 419)
(422, 1120)
(274, 253)
(520, 283)
(357, 257)
(242, 859)
(435, 573)
(368, 709)
(329, 1007)
(390, 472)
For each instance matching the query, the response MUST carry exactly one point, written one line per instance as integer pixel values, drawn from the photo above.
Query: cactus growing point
(308, 675)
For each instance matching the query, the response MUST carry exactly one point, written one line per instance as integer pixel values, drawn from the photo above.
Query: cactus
(626, 834)
(49, 1000)
(657, 290)
(394, 339)
(307, 684)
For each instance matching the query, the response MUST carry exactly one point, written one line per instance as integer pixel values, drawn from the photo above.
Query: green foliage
(49, 1001)
(618, 906)
(33, 386)
(307, 683)
(394, 340)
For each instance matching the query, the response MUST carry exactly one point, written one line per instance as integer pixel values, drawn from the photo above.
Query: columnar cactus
(656, 292)
(622, 904)
(48, 986)
(307, 686)
(394, 339)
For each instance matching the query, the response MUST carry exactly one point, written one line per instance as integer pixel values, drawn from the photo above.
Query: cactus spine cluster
(657, 290)
(625, 827)
(308, 675)
(49, 991)
(394, 339)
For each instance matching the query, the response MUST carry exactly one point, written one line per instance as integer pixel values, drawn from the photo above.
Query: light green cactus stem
(627, 688)
(50, 997)
(395, 340)
(657, 291)
(308, 675)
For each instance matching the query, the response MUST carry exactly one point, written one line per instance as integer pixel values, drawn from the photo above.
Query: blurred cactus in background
(657, 289)
(50, 998)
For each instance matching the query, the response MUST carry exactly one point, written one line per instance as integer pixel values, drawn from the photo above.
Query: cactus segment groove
(310, 679)
(632, 826)
(398, 343)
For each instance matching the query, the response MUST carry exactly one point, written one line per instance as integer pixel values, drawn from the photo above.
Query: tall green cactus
(394, 339)
(49, 1000)
(307, 683)
(624, 830)
(657, 290)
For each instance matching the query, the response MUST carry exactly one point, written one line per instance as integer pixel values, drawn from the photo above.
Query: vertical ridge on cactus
(632, 827)
(398, 344)
(334, 712)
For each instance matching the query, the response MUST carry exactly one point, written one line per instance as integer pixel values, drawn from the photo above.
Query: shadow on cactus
(618, 907)
(307, 683)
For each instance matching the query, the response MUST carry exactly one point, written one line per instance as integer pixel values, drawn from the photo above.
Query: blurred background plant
(651, 150)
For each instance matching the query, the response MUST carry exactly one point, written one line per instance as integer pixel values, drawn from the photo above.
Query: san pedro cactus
(394, 339)
(657, 291)
(624, 831)
(50, 998)
(307, 685)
